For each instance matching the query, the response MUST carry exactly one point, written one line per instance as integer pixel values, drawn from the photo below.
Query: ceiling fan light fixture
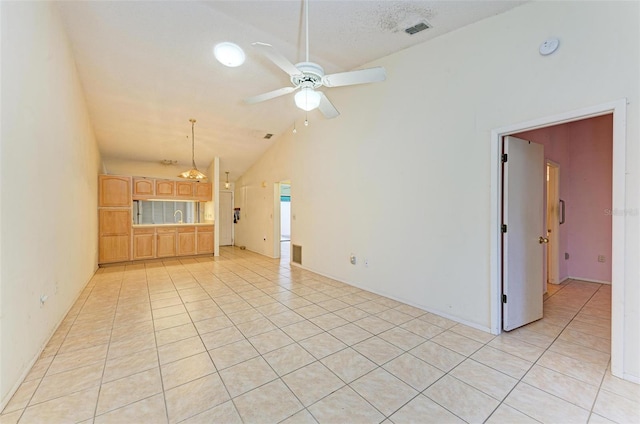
(307, 99)
(193, 173)
(229, 54)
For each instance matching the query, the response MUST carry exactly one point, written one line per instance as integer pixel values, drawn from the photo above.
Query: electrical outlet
(353, 259)
(601, 258)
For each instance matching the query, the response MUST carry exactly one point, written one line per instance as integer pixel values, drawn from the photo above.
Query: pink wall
(584, 151)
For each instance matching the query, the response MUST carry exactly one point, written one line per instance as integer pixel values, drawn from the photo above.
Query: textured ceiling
(147, 67)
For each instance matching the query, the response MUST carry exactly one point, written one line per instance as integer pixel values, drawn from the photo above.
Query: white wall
(403, 176)
(49, 167)
(254, 195)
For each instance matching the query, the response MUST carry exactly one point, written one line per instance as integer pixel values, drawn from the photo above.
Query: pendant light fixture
(226, 183)
(193, 173)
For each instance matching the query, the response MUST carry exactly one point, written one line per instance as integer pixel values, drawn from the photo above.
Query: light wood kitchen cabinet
(114, 235)
(165, 188)
(205, 240)
(184, 189)
(202, 191)
(143, 188)
(114, 222)
(144, 243)
(165, 242)
(186, 241)
(114, 248)
(114, 191)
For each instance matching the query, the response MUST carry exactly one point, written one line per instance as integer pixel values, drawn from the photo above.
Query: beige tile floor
(244, 338)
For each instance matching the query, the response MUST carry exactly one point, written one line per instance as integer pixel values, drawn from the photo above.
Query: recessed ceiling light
(229, 54)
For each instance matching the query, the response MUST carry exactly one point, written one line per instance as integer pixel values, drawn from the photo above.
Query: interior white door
(225, 226)
(524, 238)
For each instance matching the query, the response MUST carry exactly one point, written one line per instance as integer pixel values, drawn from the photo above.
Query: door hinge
(504, 157)
(504, 298)
(504, 228)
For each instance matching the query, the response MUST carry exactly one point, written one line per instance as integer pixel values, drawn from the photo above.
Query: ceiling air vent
(421, 26)
(268, 136)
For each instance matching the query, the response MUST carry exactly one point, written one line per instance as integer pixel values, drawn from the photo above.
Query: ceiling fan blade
(270, 95)
(327, 108)
(362, 76)
(273, 55)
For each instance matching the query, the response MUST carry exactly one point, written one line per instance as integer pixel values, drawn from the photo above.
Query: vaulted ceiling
(147, 67)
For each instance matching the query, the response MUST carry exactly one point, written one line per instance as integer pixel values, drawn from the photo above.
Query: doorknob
(543, 240)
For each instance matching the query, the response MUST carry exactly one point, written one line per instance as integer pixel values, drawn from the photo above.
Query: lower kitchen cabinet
(114, 248)
(149, 242)
(144, 243)
(205, 240)
(166, 242)
(114, 238)
(186, 241)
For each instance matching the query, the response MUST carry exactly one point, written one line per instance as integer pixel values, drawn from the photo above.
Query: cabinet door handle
(561, 211)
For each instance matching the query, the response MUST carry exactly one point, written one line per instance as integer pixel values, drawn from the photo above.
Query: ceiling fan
(309, 76)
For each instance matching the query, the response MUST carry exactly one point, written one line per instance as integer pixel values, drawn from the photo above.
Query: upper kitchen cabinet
(143, 188)
(202, 191)
(165, 188)
(114, 191)
(184, 189)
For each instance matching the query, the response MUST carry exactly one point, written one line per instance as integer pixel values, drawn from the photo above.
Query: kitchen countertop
(184, 224)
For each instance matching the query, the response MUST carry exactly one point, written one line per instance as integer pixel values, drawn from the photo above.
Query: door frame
(276, 220)
(554, 237)
(618, 108)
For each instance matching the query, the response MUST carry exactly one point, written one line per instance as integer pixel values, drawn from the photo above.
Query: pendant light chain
(193, 173)
(193, 148)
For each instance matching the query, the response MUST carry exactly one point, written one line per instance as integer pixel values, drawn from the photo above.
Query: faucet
(174, 216)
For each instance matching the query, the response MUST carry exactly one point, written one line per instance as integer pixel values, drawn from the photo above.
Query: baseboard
(406, 302)
(588, 280)
(631, 378)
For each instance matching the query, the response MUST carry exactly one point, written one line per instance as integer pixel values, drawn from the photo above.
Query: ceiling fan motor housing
(311, 76)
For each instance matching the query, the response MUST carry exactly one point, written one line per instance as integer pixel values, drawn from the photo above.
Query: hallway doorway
(285, 212)
(617, 111)
(584, 149)
(282, 202)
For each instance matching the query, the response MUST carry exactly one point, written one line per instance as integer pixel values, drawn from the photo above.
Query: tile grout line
(536, 361)
(370, 314)
(155, 339)
(106, 356)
